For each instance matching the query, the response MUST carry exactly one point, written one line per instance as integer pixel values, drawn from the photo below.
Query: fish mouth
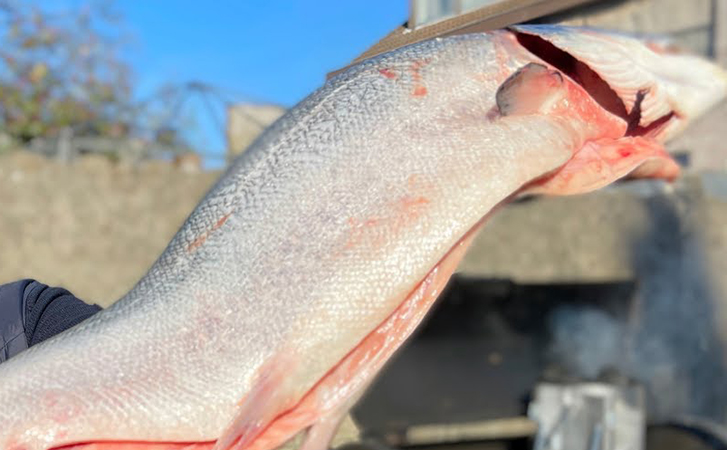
(596, 86)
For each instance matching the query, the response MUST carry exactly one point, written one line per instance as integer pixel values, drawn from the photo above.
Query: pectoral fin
(532, 89)
(269, 397)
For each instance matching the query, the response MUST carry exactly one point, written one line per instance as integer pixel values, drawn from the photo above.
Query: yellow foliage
(38, 72)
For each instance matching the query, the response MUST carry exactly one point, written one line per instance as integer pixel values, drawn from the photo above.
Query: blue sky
(271, 50)
(263, 51)
(260, 51)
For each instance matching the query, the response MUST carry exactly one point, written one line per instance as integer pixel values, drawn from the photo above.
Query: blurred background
(115, 117)
(588, 317)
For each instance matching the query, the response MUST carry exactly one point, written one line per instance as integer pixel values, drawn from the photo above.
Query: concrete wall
(245, 122)
(92, 226)
(691, 24)
(720, 31)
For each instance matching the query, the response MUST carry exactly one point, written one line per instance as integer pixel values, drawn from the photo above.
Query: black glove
(31, 312)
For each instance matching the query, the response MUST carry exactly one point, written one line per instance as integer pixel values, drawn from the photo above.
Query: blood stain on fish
(419, 89)
(388, 73)
(201, 239)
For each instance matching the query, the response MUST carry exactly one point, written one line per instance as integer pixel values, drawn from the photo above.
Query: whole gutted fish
(322, 247)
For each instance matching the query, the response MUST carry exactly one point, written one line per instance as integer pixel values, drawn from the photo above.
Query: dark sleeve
(12, 329)
(31, 312)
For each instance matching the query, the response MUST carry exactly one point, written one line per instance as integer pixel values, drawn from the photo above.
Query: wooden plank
(505, 428)
(490, 17)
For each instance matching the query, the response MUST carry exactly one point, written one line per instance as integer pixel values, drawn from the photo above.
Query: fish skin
(674, 81)
(308, 242)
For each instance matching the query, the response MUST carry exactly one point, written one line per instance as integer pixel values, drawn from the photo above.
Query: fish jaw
(658, 92)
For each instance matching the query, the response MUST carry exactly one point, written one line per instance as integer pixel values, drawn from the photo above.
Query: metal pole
(64, 148)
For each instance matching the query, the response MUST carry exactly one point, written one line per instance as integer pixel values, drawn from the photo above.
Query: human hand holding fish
(323, 246)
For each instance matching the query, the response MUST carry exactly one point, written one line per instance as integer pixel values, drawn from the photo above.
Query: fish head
(656, 89)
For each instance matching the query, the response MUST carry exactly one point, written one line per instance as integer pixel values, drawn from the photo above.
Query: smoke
(670, 341)
(586, 341)
(589, 343)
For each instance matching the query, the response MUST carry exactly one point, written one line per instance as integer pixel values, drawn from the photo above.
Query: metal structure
(592, 416)
(425, 12)
(162, 131)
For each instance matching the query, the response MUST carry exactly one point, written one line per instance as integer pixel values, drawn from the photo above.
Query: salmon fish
(322, 247)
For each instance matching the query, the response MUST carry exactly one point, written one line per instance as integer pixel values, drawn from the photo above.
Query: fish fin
(530, 90)
(131, 445)
(320, 434)
(602, 162)
(269, 397)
